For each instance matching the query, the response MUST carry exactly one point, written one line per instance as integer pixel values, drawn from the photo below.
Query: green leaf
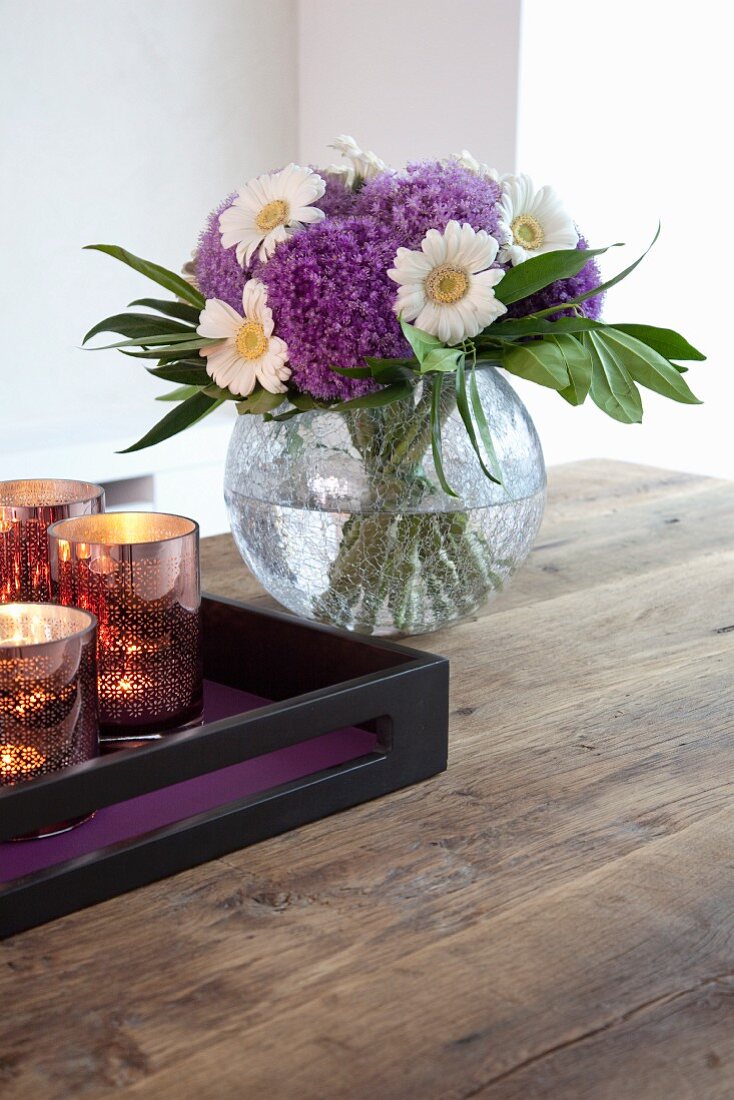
(185, 414)
(462, 404)
(179, 394)
(667, 342)
(540, 362)
(261, 401)
(186, 373)
(518, 327)
(578, 365)
(483, 426)
(134, 324)
(304, 402)
(393, 370)
(351, 372)
(602, 286)
(647, 367)
(396, 391)
(443, 360)
(176, 284)
(282, 417)
(436, 443)
(534, 274)
(377, 365)
(421, 342)
(612, 388)
(180, 310)
(170, 352)
(184, 338)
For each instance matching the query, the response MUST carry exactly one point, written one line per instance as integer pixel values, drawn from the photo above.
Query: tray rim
(407, 703)
(113, 778)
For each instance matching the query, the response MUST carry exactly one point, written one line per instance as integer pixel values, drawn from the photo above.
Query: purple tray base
(182, 800)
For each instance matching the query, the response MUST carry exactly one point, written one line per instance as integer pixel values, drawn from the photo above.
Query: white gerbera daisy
(465, 160)
(269, 209)
(446, 288)
(249, 352)
(532, 222)
(365, 165)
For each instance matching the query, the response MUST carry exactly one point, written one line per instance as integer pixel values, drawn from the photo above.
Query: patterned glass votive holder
(27, 508)
(48, 693)
(138, 572)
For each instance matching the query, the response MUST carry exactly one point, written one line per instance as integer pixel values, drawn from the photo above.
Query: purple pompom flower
(333, 302)
(338, 199)
(428, 196)
(217, 269)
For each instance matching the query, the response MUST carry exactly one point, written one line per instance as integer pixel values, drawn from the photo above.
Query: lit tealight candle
(20, 761)
(48, 692)
(27, 508)
(139, 573)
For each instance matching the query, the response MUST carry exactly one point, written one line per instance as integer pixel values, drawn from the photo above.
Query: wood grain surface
(552, 918)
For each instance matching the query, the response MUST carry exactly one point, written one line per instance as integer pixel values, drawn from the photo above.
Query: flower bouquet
(383, 475)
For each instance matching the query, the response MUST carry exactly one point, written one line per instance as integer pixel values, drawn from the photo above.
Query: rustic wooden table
(553, 917)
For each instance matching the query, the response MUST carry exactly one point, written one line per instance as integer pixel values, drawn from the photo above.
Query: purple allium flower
(332, 302)
(563, 291)
(337, 200)
(428, 196)
(218, 272)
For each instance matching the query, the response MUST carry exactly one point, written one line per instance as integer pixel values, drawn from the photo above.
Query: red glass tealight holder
(48, 693)
(27, 508)
(138, 572)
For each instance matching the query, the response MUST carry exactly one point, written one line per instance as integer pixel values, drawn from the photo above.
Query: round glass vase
(341, 516)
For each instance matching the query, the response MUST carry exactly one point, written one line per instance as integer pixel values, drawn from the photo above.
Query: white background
(128, 120)
(625, 108)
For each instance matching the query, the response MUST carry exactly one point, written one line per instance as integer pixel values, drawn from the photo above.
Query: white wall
(622, 108)
(127, 120)
(122, 121)
(409, 78)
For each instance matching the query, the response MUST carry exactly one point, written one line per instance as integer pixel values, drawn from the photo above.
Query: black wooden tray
(300, 721)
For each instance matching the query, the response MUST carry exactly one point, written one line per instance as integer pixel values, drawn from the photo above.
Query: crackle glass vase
(341, 516)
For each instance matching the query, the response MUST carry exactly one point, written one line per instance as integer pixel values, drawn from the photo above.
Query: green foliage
(188, 372)
(396, 391)
(665, 341)
(602, 287)
(519, 327)
(465, 412)
(646, 366)
(540, 361)
(436, 441)
(136, 325)
(183, 416)
(179, 394)
(578, 367)
(441, 361)
(540, 271)
(172, 282)
(483, 425)
(612, 387)
(180, 310)
(422, 343)
(260, 401)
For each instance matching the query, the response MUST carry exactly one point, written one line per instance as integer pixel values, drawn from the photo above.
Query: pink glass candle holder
(48, 693)
(27, 508)
(138, 572)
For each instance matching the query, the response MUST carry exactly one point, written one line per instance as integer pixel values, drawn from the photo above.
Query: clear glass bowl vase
(341, 517)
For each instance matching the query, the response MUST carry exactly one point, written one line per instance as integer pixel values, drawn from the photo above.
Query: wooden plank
(502, 996)
(533, 920)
